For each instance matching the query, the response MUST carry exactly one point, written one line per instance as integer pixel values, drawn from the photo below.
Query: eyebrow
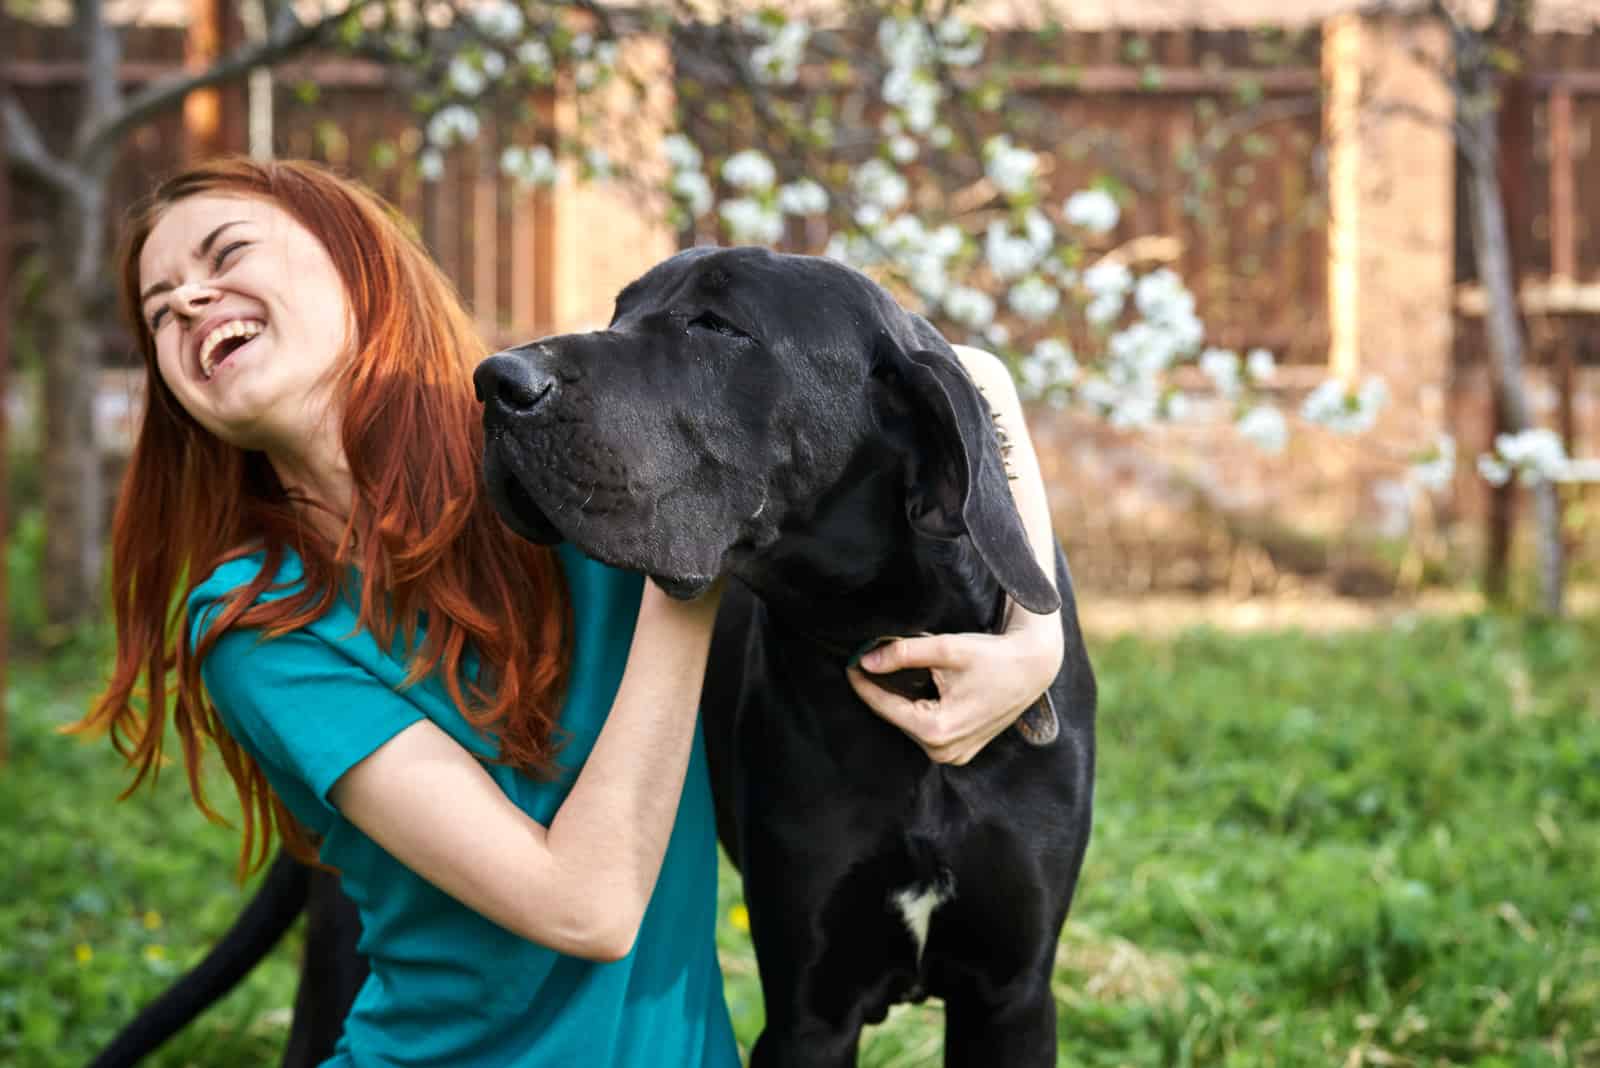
(199, 254)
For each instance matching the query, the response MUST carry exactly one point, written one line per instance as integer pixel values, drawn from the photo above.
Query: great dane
(781, 420)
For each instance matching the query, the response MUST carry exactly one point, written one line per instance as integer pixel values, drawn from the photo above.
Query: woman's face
(249, 317)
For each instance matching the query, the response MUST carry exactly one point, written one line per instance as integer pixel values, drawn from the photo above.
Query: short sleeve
(305, 711)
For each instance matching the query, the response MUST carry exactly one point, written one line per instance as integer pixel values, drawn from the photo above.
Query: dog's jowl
(782, 420)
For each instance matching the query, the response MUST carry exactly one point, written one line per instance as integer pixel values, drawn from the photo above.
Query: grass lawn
(1377, 847)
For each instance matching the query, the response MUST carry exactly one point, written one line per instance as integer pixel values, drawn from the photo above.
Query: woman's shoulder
(237, 573)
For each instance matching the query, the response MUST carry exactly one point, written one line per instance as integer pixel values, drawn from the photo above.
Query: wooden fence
(1554, 211)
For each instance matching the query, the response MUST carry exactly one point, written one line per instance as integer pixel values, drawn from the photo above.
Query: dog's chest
(916, 904)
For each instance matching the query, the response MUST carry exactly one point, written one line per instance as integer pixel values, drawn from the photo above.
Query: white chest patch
(916, 905)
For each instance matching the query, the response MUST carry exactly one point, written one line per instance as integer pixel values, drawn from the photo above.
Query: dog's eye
(714, 322)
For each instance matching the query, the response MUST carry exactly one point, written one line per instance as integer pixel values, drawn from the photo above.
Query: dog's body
(781, 420)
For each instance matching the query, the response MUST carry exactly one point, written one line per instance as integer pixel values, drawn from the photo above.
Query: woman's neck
(318, 473)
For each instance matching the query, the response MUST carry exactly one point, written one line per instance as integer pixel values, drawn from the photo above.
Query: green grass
(1367, 848)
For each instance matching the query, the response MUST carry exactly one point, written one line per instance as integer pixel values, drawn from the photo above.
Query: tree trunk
(74, 489)
(1504, 329)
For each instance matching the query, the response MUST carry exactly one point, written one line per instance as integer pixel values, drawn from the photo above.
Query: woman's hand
(985, 682)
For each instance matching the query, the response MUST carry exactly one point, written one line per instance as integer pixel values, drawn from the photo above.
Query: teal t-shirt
(449, 987)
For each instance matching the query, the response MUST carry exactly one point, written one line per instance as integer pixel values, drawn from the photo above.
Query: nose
(192, 295)
(511, 387)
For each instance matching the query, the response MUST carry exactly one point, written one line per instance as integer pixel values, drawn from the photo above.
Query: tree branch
(102, 54)
(24, 147)
(287, 37)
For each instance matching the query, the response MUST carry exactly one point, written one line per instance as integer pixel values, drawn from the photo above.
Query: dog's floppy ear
(957, 481)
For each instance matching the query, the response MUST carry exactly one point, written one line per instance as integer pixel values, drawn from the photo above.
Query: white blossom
(1011, 254)
(802, 197)
(749, 169)
(530, 166)
(498, 19)
(598, 164)
(970, 307)
(1033, 298)
(1098, 393)
(1094, 210)
(902, 149)
(1493, 471)
(1222, 367)
(465, 77)
(582, 44)
(1435, 470)
(1144, 349)
(452, 125)
(997, 334)
(1050, 364)
(1161, 295)
(430, 164)
(1260, 364)
(916, 93)
(752, 222)
(776, 60)
(1136, 408)
(1536, 454)
(941, 136)
(946, 241)
(681, 152)
(960, 42)
(880, 185)
(904, 41)
(1332, 405)
(1106, 278)
(1103, 310)
(694, 189)
(1265, 427)
(903, 235)
(535, 55)
(1009, 167)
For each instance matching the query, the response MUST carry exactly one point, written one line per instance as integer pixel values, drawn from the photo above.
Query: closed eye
(712, 321)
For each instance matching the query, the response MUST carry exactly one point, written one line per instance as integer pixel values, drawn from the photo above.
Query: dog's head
(736, 393)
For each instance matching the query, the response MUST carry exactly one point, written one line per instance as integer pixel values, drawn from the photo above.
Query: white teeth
(236, 328)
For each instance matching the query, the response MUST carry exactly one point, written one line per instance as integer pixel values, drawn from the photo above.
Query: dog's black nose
(509, 385)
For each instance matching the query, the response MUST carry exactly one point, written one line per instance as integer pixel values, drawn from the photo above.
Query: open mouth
(225, 341)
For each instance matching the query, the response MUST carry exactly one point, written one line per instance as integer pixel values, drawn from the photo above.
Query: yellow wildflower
(739, 916)
(84, 953)
(152, 920)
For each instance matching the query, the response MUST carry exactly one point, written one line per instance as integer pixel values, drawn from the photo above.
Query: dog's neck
(854, 569)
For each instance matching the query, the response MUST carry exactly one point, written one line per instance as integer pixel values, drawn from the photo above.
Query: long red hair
(421, 529)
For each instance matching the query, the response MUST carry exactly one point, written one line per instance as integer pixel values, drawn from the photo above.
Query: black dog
(782, 420)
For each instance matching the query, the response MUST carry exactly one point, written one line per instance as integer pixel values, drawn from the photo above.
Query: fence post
(1515, 129)
(202, 109)
(5, 457)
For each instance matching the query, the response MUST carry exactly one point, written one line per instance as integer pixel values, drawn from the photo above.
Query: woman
(493, 743)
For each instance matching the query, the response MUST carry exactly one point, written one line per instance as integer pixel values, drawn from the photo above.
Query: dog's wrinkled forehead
(776, 295)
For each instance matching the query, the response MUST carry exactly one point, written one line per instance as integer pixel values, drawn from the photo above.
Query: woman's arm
(985, 681)
(581, 885)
